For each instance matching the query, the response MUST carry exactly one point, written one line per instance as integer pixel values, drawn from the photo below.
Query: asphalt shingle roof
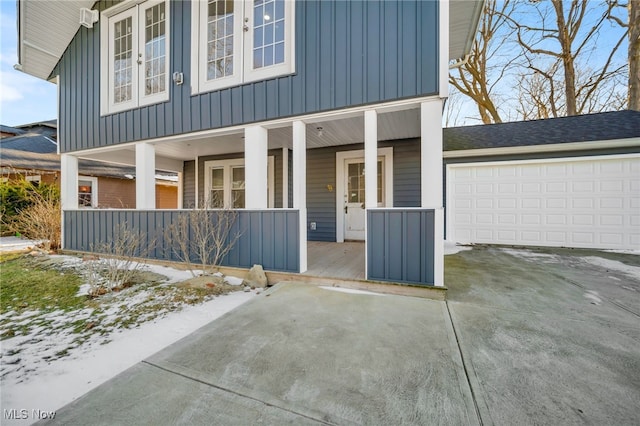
(579, 128)
(31, 142)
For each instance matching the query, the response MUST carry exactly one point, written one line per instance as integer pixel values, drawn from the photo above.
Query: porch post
(255, 166)
(285, 177)
(300, 185)
(145, 176)
(431, 181)
(370, 159)
(68, 189)
(370, 174)
(68, 182)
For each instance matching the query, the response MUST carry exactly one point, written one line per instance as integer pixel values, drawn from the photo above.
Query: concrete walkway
(525, 338)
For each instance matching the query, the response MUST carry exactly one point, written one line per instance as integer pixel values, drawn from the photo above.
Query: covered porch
(296, 184)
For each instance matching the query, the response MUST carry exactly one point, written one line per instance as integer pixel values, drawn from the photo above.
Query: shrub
(32, 211)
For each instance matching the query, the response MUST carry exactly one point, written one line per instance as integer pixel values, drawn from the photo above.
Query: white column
(68, 182)
(285, 177)
(370, 159)
(255, 167)
(145, 176)
(431, 177)
(300, 185)
(431, 154)
(180, 189)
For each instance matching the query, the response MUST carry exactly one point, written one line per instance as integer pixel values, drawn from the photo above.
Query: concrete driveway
(527, 337)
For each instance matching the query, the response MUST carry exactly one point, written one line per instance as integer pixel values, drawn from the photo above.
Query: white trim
(242, 48)
(382, 108)
(236, 162)
(545, 160)
(450, 167)
(534, 149)
(285, 68)
(443, 54)
(139, 99)
(341, 156)
(59, 142)
(285, 177)
(94, 190)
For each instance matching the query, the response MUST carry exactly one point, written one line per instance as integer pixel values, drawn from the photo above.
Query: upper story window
(240, 41)
(134, 55)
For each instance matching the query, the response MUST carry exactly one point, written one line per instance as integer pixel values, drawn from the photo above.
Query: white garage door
(591, 202)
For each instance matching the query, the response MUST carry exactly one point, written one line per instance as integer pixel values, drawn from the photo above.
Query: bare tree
(633, 31)
(563, 39)
(204, 236)
(486, 65)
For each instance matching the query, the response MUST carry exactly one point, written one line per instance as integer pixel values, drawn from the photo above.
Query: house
(8, 131)
(32, 154)
(560, 182)
(275, 108)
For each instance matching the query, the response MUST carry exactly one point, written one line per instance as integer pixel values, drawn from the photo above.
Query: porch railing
(400, 245)
(267, 237)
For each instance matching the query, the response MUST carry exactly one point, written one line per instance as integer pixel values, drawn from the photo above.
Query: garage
(584, 202)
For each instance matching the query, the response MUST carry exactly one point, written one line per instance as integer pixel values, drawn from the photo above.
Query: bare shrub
(122, 261)
(40, 218)
(204, 236)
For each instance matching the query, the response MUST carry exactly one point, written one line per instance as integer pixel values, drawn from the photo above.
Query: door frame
(341, 156)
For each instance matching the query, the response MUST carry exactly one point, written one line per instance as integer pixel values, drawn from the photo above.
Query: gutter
(535, 149)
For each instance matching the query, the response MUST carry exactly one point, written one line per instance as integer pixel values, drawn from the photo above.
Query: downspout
(460, 62)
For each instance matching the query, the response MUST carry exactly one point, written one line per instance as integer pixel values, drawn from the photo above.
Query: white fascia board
(535, 149)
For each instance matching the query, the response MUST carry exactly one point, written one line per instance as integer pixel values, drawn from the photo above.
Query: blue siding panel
(348, 53)
(267, 237)
(400, 245)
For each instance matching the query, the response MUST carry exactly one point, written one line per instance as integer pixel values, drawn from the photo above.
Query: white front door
(354, 210)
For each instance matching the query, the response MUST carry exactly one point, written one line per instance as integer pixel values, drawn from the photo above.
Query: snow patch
(351, 291)
(454, 248)
(636, 251)
(233, 280)
(613, 265)
(593, 296)
(530, 255)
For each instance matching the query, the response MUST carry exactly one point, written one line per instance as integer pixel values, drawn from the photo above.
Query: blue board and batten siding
(400, 245)
(348, 53)
(270, 238)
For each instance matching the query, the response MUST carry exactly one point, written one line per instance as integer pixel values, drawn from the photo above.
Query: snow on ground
(48, 367)
(613, 265)
(453, 248)
(636, 252)
(16, 244)
(530, 255)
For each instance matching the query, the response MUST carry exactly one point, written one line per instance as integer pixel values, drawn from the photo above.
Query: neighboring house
(570, 182)
(274, 108)
(32, 155)
(8, 131)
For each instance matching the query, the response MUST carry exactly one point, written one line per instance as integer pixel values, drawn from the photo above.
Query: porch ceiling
(394, 125)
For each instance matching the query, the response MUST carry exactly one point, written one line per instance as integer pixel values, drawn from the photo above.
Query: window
(224, 183)
(240, 41)
(34, 179)
(135, 49)
(87, 192)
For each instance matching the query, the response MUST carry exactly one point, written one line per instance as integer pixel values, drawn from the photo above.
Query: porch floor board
(336, 260)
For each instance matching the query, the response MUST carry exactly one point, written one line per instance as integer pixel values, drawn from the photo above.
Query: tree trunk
(567, 59)
(634, 54)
